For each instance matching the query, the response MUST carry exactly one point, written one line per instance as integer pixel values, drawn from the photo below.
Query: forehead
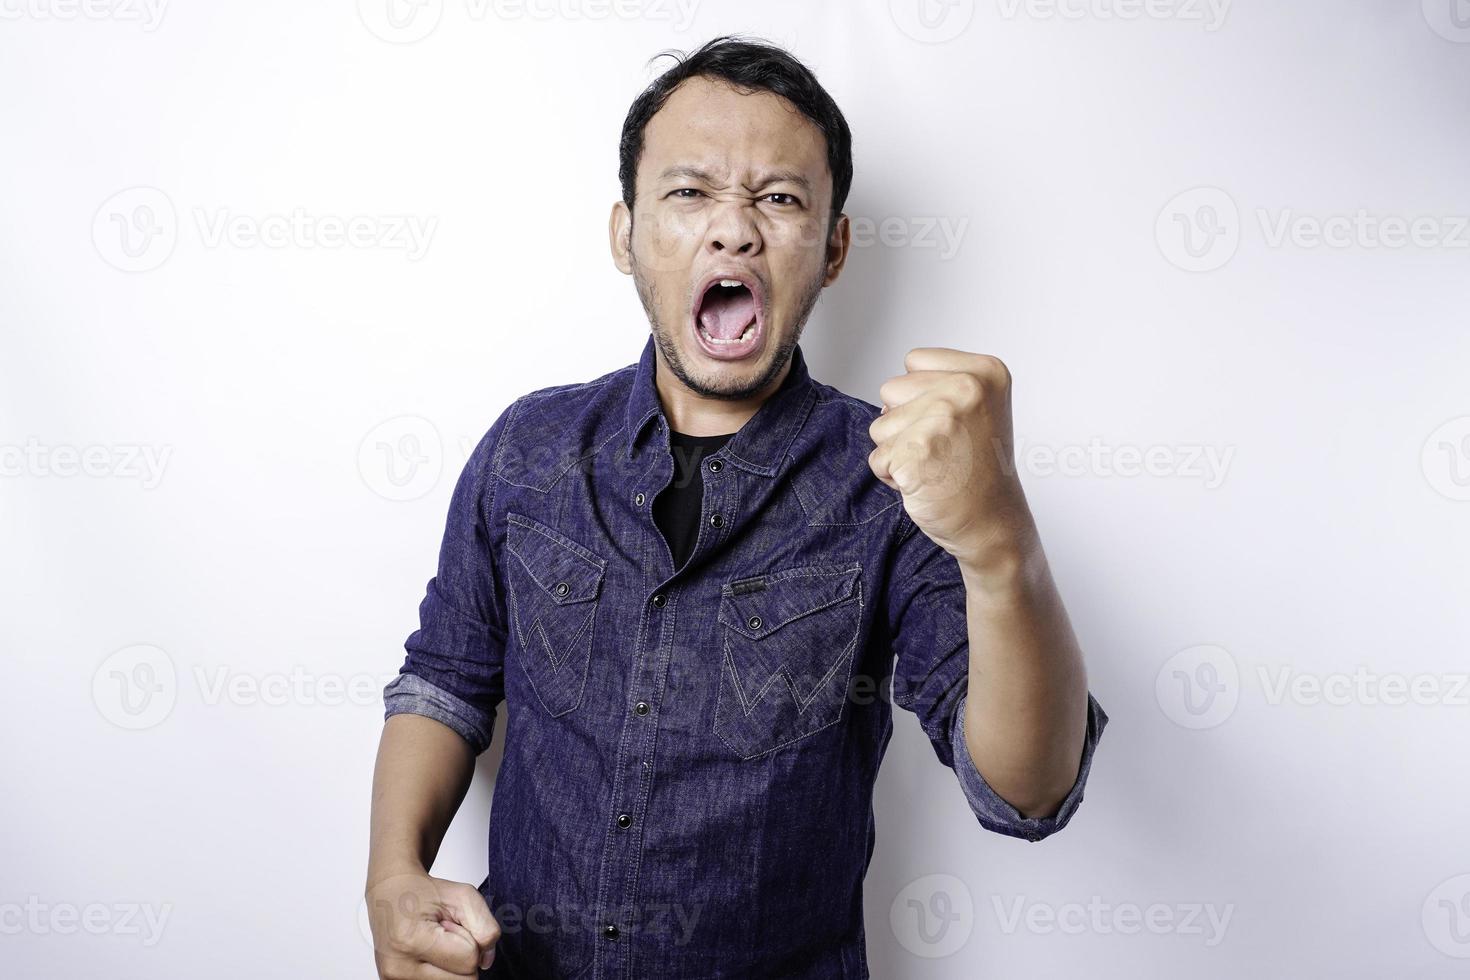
(709, 124)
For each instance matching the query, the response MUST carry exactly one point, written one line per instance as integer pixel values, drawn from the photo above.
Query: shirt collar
(762, 441)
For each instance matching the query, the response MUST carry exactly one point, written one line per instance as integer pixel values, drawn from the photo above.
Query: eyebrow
(761, 180)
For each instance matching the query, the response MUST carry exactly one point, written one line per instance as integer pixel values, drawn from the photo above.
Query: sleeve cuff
(411, 694)
(997, 815)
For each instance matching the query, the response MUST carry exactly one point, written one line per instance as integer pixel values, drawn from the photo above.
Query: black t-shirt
(676, 510)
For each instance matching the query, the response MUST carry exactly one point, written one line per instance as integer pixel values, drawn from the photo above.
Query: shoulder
(829, 462)
(545, 432)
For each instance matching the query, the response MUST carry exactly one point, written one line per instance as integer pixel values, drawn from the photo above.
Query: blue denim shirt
(689, 758)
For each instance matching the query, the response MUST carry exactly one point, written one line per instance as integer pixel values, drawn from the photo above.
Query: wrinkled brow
(761, 180)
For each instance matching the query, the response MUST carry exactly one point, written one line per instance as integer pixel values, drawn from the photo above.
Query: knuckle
(971, 387)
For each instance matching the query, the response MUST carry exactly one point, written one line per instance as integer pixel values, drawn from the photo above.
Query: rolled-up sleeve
(993, 812)
(454, 669)
(929, 629)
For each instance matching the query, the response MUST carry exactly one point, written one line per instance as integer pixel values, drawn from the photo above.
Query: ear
(838, 243)
(620, 237)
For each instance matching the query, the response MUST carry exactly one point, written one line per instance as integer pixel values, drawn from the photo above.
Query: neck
(699, 415)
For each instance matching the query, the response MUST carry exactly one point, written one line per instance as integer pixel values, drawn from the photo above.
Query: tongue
(727, 312)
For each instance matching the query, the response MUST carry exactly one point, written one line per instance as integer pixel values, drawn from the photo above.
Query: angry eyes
(777, 198)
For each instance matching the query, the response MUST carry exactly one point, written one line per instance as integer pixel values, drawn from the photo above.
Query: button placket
(633, 775)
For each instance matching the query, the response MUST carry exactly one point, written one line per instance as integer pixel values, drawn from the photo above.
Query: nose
(733, 229)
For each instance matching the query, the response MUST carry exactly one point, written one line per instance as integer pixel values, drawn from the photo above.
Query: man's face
(730, 188)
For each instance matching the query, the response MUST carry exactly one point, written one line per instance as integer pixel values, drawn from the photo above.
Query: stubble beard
(731, 391)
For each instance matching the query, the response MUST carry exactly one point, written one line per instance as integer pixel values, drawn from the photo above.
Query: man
(696, 582)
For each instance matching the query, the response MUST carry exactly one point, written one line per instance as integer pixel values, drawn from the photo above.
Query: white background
(194, 649)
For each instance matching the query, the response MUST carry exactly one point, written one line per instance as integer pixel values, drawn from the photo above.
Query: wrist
(1003, 564)
(381, 869)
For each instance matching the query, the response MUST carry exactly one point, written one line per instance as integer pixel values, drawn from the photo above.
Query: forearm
(1026, 711)
(422, 774)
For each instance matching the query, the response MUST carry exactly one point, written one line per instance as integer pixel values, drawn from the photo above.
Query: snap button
(754, 622)
(609, 931)
(659, 599)
(716, 465)
(716, 520)
(641, 708)
(638, 500)
(624, 820)
(562, 588)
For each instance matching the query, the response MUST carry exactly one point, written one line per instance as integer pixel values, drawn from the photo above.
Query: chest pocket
(553, 589)
(789, 641)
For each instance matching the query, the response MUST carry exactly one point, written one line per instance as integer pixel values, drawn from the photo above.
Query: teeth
(731, 282)
(749, 332)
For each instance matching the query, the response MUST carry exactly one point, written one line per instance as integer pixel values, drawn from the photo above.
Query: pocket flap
(566, 571)
(758, 605)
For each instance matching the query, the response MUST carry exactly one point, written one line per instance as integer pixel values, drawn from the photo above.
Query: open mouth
(728, 317)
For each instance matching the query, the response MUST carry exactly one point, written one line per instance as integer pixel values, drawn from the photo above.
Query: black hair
(749, 66)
